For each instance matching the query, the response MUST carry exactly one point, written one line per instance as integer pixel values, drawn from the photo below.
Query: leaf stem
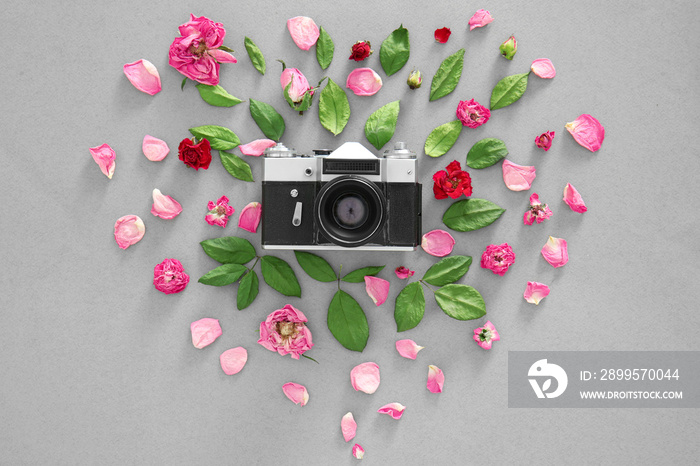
(426, 285)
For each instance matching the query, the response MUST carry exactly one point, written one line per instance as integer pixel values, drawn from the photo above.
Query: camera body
(347, 198)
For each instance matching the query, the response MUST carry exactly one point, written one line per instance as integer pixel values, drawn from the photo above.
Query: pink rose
(219, 212)
(484, 336)
(538, 212)
(498, 258)
(544, 140)
(299, 84)
(169, 276)
(472, 114)
(403, 272)
(285, 331)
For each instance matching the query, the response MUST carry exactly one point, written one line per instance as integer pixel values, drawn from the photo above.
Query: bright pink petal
(555, 251)
(394, 410)
(154, 149)
(221, 56)
(165, 206)
(518, 177)
(250, 217)
(233, 360)
(437, 243)
(403, 272)
(480, 19)
(436, 379)
(144, 76)
(205, 332)
(587, 131)
(364, 81)
(543, 68)
(365, 377)
(297, 393)
(377, 289)
(256, 148)
(348, 426)
(408, 348)
(573, 199)
(128, 230)
(304, 31)
(358, 452)
(104, 156)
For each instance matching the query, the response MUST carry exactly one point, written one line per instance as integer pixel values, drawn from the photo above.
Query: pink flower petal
(408, 348)
(480, 19)
(304, 31)
(364, 81)
(348, 426)
(518, 177)
(233, 360)
(555, 252)
(358, 452)
(436, 379)
(535, 292)
(154, 149)
(437, 243)
(128, 230)
(365, 377)
(543, 68)
(205, 332)
(256, 148)
(250, 217)
(165, 206)
(403, 272)
(587, 131)
(394, 410)
(377, 289)
(104, 156)
(573, 199)
(144, 76)
(297, 393)
(222, 56)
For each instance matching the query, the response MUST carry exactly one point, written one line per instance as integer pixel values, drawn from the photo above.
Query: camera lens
(350, 211)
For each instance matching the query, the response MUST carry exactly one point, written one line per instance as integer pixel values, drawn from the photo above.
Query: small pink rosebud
(348, 426)
(480, 19)
(358, 452)
(256, 148)
(233, 360)
(537, 212)
(364, 81)
(298, 84)
(394, 410)
(415, 79)
(144, 76)
(436, 379)
(518, 177)
(587, 131)
(128, 230)
(509, 47)
(105, 157)
(205, 332)
(573, 199)
(296, 392)
(154, 149)
(484, 336)
(304, 31)
(544, 140)
(165, 206)
(250, 217)
(442, 35)
(535, 292)
(377, 289)
(437, 243)
(555, 251)
(403, 272)
(365, 377)
(408, 348)
(543, 68)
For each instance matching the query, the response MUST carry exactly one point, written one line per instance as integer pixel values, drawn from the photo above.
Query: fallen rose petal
(128, 230)
(377, 289)
(365, 377)
(573, 199)
(348, 426)
(480, 19)
(205, 332)
(297, 393)
(518, 177)
(364, 81)
(587, 131)
(233, 360)
(436, 379)
(543, 68)
(256, 148)
(304, 31)
(555, 251)
(105, 157)
(154, 149)
(437, 243)
(249, 219)
(403, 272)
(442, 35)
(408, 348)
(535, 292)
(165, 206)
(144, 76)
(358, 452)
(394, 410)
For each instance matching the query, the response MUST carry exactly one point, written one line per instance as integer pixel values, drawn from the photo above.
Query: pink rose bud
(543, 68)
(165, 206)
(364, 81)
(365, 377)
(144, 76)
(403, 272)
(256, 148)
(484, 336)
(480, 19)
(297, 393)
(154, 149)
(408, 348)
(304, 31)
(358, 452)
(348, 426)
(394, 410)
(544, 140)
(104, 157)
(128, 230)
(437, 243)
(535, 292)
(377, 289)
(233, 360)
(518, 177)
(205, 332)
(587, 131)
(573, 199)
(250, 217)
(415, 79)
(509, 47)
(555, 251)
(169, 276)
(297, 82)
(436, 379)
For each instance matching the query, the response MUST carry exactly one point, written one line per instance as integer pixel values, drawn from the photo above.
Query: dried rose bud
(544, 140)
(509, 47)
(360, 50)
(415, 79)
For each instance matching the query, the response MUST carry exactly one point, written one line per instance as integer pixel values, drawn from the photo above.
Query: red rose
(195, 155)
(360, 50)
(452, 182)
(441, 35)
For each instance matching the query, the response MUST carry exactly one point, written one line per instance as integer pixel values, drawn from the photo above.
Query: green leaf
(410, 307)
(486, 152)
(219, 137)
(358, 276)
(395, 51)
(223, 275)
(508, 90)
(247, 290)
(448, 270)
(236, 166)
(460, 302)
(471, 214)
(268, 120)
(182, 86)
(347, 321)
(217, 96)
(256, 56)
(447, 76)
(229, 250)
(316, 266)
(324, 49)
(333, 108)
(442, 138)
(381, 124)
(280, 276)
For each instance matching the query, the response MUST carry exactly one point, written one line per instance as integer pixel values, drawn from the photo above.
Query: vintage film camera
(347, 198)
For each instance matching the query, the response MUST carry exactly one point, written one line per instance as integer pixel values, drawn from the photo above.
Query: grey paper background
(98, 368)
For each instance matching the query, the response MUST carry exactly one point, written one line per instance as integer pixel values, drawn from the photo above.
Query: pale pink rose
(518, 177)
(403, 272)
(408, 348)
(250, 217)
(144, 76)
(154, 149)
(484, 336)
(364, 81)
(256, 148)
(304, 31)
(285, 332)
(377, 289)
(358, 452)
(169, 276)
(394, 410)
(128, 230)
(497, 258)
(587, 131)
(233, 360)
(205, 332)
(480, 19)
(365, 377)
(573, 199)
(219, 213)
(299, 84)
(297, 393)
(535, 292)
(555, 251)
(537, 212)
(165, 206)
(437, 243)
(348, 426)
(543, 68)
(104, 156)
(436, 379)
